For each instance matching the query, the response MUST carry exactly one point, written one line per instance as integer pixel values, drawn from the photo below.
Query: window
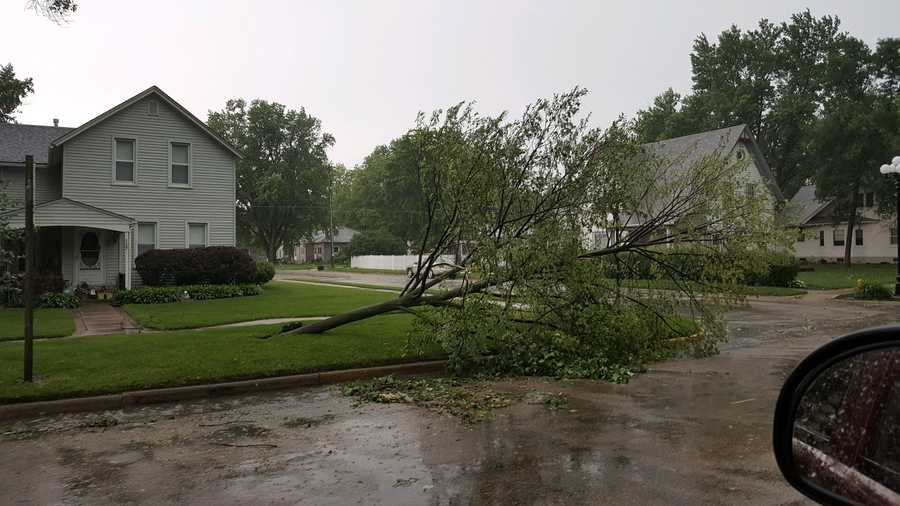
(838, 236)
(180, 156)
(858, 235)
(894, 235)
(123, 171)
(146, 237)
(870, 199)
(800, 235)
(739, 154)
(821, 238)
(90, 251)
(153, 108)
(196, 235)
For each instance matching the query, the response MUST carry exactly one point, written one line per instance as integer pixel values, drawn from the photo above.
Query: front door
(89, 258)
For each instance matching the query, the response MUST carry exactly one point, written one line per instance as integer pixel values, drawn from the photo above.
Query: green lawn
(47, 323)
(831, 276)
(105, 364)
(279, 300)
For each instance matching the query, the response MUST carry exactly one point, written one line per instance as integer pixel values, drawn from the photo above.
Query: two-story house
(145, 174)
(678, 156)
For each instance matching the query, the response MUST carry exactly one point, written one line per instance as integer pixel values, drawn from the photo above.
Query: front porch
(87, 246)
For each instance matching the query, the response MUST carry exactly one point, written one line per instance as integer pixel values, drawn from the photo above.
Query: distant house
(318, 248)
(682, 153)
(145, 174)
(820, 237)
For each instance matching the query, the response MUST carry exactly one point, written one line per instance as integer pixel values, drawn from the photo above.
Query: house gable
(153, 125)
(146, 96)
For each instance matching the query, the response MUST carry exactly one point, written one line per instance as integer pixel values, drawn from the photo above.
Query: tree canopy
(12, 91)
(283, 179)
(524, 192)
(778, 79)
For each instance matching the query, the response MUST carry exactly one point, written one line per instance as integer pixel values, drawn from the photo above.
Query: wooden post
(29, 269)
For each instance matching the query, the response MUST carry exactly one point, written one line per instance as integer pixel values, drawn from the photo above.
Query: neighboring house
(820, 237)
(145, 174)
(682, 153)
(318, 248)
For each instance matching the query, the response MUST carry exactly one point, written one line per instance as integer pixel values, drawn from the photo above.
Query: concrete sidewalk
(96, 318)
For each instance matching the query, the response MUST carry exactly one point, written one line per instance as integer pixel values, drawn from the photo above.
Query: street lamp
(894, 169)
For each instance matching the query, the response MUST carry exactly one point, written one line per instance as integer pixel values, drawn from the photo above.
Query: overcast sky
(366, 68)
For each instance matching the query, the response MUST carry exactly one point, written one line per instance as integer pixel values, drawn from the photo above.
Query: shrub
(165, 294)
(150, 295)
(212, 265)
(872, 291)
(12, 286)
(208, 292)
(781, 270)
(59, 300)
(265, 271)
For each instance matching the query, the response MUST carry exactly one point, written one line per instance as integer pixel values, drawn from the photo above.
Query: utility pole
(29, 269)
(331, 216)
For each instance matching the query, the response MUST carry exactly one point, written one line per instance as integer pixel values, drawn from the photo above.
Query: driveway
(686, 432)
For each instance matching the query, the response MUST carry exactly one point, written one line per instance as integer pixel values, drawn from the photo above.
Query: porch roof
(65, 212)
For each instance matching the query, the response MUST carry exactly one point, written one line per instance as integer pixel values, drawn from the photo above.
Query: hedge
(165, 294)
(780, 269)
(216, 265)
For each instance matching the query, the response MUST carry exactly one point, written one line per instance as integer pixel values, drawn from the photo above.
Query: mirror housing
(817, 463)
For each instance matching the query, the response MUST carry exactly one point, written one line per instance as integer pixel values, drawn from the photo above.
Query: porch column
(129, 256)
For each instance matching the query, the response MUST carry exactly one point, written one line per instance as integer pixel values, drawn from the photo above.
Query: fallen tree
(525, 193)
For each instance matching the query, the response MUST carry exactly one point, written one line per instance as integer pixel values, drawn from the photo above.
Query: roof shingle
(17, 140)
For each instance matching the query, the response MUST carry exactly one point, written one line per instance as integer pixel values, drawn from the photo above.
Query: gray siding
(47, 184)
(87, 175)
(65, 213)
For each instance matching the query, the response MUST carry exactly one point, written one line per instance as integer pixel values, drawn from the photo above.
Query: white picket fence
(389, 262)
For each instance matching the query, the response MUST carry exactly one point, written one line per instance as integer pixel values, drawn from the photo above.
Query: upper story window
(153, 108)
(123, 160)
(180, 164)
(197, 235)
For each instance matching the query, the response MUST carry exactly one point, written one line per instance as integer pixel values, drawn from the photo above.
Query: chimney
(56, 122)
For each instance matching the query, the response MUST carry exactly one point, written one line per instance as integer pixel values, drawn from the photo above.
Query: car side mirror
(837, 421)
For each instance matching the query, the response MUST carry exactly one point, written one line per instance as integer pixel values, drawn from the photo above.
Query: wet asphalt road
(686, 432)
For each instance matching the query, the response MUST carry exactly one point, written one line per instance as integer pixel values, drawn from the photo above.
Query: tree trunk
(271, 251)
(851, 224)
(405, 301)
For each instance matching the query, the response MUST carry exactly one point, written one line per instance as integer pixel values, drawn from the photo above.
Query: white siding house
(679, 155)
(820, 237)
(145, 174)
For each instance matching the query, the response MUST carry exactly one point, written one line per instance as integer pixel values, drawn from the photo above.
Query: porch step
(99, 318)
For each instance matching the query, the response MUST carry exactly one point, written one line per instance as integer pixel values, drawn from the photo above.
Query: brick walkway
(99, 318)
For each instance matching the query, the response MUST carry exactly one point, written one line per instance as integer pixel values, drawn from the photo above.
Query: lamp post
(894, 170)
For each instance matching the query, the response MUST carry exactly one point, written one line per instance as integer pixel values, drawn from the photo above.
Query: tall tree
(383, 194)
(774, 78)
(857, 130)
(284, 176)
(12, 91)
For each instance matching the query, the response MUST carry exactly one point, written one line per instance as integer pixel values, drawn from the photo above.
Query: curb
(194, 392)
